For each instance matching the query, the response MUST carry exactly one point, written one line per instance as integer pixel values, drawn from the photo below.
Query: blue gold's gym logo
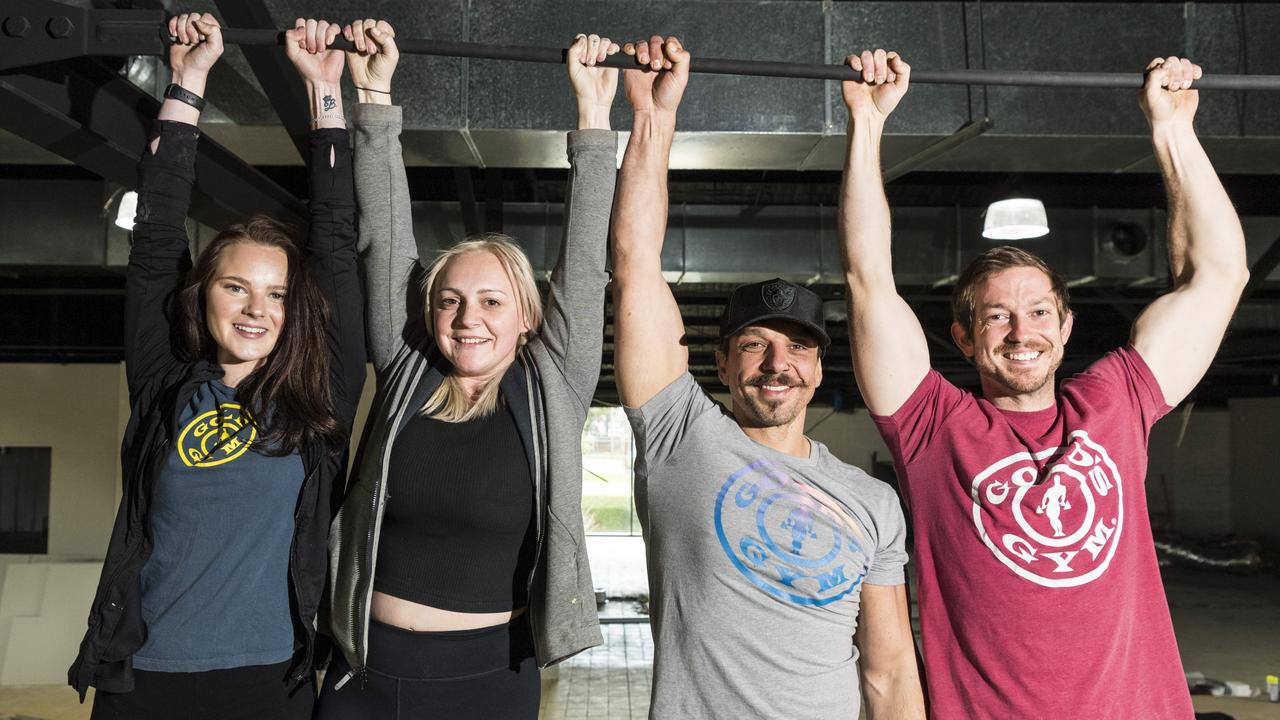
(786, 542)
(215, 437)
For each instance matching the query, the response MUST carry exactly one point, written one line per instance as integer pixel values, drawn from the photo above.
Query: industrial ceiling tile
(928, 35)
(1093, 36)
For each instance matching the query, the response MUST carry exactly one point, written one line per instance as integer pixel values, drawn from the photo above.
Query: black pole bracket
(33, 32)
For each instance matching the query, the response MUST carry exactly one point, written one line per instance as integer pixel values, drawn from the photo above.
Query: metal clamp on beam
(33, 32)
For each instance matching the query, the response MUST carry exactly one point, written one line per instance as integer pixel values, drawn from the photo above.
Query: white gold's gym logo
(214, 437)
(1059, 530)
(786, 539)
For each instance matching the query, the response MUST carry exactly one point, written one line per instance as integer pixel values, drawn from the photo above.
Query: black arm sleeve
(332, 258)
(159, 258)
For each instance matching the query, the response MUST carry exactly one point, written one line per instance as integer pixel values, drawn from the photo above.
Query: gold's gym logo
(213, 438)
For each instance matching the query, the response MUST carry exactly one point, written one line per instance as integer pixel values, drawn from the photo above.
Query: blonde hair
(450, 402)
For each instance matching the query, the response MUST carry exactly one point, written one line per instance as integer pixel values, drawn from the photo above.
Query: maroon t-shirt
(1040, 596)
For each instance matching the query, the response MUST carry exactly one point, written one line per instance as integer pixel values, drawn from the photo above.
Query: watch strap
(183, 95)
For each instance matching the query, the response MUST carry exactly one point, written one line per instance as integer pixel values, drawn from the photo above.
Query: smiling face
(1017, 338)
(244, 306)
(772, 370)
(476, 317)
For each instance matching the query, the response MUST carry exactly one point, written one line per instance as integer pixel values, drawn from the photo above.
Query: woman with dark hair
(244, 372)
(459, 560)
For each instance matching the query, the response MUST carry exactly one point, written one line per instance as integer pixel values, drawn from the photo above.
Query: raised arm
(160, 257)
(890, 353)
(1178, 334)
(331, 241)
(388, 252)
(572, 329)
(890, 674)
(649, 346)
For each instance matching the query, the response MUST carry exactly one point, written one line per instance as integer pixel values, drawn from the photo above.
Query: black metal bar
(86, 113)
(467, 201)
(967, 132)
(138, 32)
(41, 31)
(273, 70)
(493, 200)
(763, 68)
(1261, 269)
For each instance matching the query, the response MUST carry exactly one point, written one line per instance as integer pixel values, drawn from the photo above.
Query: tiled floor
(609, 682)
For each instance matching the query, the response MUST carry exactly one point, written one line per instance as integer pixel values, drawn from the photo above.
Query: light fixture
(835, 311)
(1015, 219)
(128, 209)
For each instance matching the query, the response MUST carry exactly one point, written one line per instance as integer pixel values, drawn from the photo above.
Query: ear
(817, 374)
(1067, 325)
(961, 337)
(721, 362)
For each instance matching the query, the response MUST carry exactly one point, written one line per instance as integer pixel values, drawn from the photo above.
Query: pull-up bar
(36, 31)
(766, 68)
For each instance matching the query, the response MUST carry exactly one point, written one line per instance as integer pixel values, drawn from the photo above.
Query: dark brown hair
(289, 393)
(964, 297)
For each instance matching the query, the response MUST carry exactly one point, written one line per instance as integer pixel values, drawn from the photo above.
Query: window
(608, 506)
(24, 500)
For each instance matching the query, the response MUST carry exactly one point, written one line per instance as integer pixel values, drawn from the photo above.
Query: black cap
(774, 299)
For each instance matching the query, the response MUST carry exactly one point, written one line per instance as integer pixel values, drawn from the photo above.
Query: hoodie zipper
(360, 606)
(532, 382)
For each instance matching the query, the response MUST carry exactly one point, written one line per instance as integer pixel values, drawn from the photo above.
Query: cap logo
(778, 296)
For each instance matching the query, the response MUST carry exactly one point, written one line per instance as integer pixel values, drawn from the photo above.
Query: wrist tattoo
(326, 106)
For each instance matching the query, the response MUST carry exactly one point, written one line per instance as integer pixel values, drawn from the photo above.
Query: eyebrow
(242, 281)
(480, 291)
(1044, 300)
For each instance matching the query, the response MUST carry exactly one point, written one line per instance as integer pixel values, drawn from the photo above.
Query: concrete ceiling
(756, 161)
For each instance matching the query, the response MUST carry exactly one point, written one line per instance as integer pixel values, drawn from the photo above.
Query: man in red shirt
(1040, 596)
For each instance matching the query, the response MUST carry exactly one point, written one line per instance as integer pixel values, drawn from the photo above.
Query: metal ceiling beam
(276, 75)
(1262, 269)
(84, 112)
(964, 134)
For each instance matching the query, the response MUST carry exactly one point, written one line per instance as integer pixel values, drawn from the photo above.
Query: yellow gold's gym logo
(213, 438)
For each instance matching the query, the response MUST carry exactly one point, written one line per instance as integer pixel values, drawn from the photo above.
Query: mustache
(1023, 347)
(776, 379)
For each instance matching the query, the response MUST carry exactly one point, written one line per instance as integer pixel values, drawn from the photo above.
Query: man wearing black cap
(766, 553)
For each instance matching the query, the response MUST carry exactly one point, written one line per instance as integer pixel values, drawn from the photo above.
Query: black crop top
(458, 530)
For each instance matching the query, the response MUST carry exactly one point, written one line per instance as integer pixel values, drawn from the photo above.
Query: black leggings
(486, 674)
(257, 692)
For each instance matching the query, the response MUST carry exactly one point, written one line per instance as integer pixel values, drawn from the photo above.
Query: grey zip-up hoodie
(548, 388)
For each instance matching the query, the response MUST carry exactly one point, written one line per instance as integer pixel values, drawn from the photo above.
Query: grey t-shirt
(756, 560)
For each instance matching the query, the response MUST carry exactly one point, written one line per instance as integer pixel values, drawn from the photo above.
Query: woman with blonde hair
(458, 561)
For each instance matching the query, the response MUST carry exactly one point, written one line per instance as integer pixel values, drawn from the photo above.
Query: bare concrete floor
(1228, 628)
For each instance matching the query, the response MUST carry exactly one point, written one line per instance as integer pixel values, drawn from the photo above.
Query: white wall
(1189, 472)
(850, 435)
(79, 411)
(1255, 482)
